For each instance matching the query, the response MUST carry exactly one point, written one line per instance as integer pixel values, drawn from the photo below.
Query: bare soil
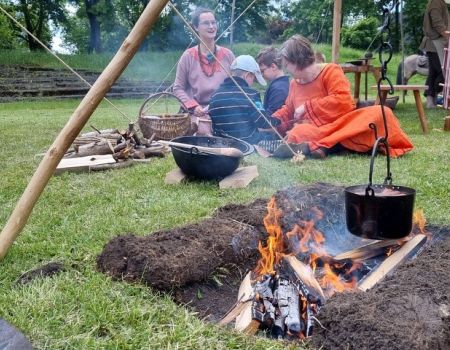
(202, 265)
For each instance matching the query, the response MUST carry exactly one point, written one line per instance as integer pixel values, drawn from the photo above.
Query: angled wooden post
(80, 116)
(336, 42)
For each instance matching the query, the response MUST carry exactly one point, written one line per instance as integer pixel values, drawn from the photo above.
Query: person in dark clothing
(435, 29)
(231, 112)
(270, 65)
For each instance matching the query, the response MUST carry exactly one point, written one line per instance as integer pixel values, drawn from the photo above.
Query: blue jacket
(276, 94)
(233, 114)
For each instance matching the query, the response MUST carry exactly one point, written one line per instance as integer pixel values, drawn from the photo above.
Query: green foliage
(8, 38)
(360, 35)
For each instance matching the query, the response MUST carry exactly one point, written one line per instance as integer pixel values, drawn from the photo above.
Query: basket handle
(159, 94)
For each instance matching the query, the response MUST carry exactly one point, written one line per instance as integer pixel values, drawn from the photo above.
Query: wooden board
(240, 178)
(175, 176)
(244, 321)
(83, 163)
(392, 262)
(367, 251)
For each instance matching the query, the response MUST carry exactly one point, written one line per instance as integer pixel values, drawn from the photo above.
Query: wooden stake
(44, 172)
(336, 40)
(392, 262)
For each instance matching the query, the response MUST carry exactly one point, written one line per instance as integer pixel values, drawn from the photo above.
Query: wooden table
(357, 70)
(416, 91)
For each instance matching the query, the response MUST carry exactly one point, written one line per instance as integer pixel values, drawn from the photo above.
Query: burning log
(392, 261)
(311, 288)
(367, 251)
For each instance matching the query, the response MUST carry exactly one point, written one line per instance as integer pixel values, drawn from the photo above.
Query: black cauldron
(207, 166)
(381, 212)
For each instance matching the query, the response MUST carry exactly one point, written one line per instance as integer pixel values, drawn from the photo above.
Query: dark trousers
(435, 76)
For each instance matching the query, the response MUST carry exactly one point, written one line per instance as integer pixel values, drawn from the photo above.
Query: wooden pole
(81, 115)
(337, 16)
(233, 9)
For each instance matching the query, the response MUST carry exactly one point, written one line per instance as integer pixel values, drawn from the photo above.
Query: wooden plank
(245, 322)
(240, 178)
(367, 251)
(391, 262)
(174, 177)
(83, 163)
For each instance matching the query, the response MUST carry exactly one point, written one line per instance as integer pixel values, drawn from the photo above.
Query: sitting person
(231, 112)
(319, 115)
(198, 73)
(269, 62)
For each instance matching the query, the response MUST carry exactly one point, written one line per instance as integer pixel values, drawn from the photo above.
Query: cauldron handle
(388, 178)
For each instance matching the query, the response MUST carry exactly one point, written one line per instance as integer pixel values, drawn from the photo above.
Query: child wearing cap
(231, 111)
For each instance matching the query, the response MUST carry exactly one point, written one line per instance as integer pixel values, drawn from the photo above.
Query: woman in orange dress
(319, 116)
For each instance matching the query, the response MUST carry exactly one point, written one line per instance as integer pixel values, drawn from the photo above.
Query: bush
(360, 35)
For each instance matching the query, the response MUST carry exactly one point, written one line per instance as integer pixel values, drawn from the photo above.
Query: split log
(392, 262)
(100, 133)
(244, 321)
(245, 296)
(119, 165)
(306, 276)
(367, 251)
(91, 149)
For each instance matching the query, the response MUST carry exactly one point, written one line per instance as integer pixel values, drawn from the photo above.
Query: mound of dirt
(408, 310)
(171, 259)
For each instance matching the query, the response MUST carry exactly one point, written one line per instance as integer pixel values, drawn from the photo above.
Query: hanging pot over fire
(380, 211)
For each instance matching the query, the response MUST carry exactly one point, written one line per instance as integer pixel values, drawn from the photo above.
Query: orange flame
(419, 221)
(303, 238)
(272, 253)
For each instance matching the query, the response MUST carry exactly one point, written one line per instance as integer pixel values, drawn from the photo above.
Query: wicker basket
(163, 126)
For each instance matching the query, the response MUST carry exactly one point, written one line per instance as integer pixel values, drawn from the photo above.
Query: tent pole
(337, 16)
(79, 118)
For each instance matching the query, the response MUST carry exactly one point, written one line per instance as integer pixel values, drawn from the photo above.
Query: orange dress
(331, 118)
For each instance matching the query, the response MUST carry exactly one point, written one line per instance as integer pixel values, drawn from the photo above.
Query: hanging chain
(385, 52)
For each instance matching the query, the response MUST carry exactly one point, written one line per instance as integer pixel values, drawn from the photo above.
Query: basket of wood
(165, 116)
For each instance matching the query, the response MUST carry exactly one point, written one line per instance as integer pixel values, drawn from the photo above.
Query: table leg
(357, 85)
(419, 106)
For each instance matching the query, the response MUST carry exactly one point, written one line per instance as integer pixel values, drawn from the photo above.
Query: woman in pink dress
(201, 70)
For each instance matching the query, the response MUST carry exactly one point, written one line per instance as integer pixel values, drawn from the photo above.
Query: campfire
(297, 273)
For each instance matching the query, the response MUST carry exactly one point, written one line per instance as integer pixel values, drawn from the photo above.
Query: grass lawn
(78, 213)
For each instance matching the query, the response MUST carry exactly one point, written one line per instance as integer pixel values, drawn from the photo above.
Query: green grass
(79, 213)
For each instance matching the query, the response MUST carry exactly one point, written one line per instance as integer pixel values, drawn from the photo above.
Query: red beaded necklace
(208, 67)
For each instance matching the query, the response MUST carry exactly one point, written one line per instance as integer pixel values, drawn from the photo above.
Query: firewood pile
(121, 144)
(109, 149)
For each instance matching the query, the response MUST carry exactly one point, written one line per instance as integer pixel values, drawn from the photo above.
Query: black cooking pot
(379, 211)
(382, 212)
(203, 165)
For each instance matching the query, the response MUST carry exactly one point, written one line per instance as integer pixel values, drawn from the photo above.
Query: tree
(35, 15)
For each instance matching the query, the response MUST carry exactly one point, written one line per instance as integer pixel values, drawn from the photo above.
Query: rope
(60, 60)
(234, 80)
